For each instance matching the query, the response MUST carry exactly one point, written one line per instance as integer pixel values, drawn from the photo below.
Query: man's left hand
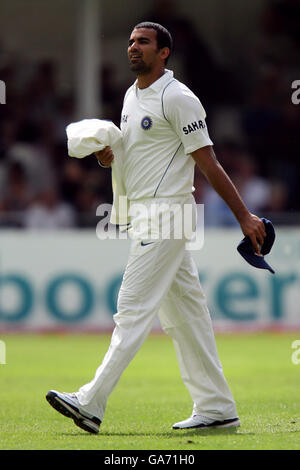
(254, 228)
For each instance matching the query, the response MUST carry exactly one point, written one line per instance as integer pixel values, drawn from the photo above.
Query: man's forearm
(217, 177)
(251, 225)
(222, 184)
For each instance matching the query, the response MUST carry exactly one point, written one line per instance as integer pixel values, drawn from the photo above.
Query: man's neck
(145, 80)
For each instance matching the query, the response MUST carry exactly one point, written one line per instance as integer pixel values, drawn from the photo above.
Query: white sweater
(91, 135)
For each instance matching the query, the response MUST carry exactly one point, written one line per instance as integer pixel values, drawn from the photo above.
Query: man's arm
(215, 174)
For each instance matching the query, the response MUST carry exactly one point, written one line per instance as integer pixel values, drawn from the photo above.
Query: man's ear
(164, 53)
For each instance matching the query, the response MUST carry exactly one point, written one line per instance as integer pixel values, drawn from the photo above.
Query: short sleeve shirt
(161, 126)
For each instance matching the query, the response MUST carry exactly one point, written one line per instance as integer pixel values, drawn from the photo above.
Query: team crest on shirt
(146, 123)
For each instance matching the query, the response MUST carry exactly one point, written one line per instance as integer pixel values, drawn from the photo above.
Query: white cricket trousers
(161, 277)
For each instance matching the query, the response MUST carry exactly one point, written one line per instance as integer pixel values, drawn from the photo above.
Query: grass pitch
(150, 396)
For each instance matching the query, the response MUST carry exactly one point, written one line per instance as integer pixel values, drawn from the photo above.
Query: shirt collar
(160, 82)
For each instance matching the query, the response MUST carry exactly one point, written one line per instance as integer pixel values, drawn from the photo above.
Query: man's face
(143, 53)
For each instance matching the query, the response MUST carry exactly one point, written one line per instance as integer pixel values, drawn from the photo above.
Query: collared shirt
(161, 125)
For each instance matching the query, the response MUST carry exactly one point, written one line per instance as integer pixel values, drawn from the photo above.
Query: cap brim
(256, 260)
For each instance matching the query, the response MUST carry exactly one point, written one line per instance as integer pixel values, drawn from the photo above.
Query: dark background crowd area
(42, 187)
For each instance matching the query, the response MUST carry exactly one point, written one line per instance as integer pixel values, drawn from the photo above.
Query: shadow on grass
(216, 432)
(168, 434)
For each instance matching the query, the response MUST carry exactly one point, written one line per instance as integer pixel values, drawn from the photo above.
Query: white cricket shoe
(199, 421)
(68, 405)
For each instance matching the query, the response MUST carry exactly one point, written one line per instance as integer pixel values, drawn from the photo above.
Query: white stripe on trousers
(162, 278)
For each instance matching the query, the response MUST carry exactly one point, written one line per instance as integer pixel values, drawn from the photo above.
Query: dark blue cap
(246, 249)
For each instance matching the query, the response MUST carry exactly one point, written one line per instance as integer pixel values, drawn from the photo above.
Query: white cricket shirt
(161, 125)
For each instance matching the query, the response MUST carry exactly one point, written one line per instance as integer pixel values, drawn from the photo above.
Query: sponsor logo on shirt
(146, 123)
(193, 126)
(124, 118)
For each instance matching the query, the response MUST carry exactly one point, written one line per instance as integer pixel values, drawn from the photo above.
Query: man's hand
(253, 227)
(105, 156)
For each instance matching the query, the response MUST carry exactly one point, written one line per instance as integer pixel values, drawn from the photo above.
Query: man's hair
(163, 37)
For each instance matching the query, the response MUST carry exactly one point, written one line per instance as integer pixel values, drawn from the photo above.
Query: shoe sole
(67, 410)
(228, 423)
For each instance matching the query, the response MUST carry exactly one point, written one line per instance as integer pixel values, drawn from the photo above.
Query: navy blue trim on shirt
(167, 169)
(162, 98)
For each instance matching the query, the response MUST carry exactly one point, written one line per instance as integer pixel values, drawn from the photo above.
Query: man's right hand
(105, 156)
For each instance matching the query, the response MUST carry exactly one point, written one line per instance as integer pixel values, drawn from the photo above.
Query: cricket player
(164, 135)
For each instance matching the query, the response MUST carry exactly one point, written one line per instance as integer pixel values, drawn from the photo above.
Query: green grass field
(150, 396)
